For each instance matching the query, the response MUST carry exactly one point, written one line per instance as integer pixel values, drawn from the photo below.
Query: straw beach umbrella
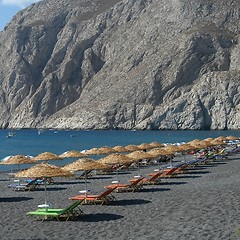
(139, 155)
(116, 158)
(85, 164)
(221, 138)
(44, 170)
(93, 151)
(194, 141)
(231, 138)
(218, 142)
(19, 159)
(156, 144)
(201, 145)
(99, 151)
(120, 149)
(156, 152)
(132, 147)
(185, 147)
(145, 146)
(46, 156)
(72, 154)
(106, 150)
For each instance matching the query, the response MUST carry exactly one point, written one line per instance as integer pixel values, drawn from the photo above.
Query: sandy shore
(202, 204)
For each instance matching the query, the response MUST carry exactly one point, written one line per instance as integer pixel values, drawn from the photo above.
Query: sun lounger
(29, 186)
(167, 172)
(67, 213)
(198, 161)
(155, 178)
(134, 185)
(103, 198)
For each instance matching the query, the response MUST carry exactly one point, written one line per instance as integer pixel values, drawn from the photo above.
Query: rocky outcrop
(133, 64)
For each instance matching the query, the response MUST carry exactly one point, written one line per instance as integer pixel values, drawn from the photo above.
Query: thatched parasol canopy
(99, 151)
(132, 147)
(230, 138)
(106, 150)
(72, 154)
(194, 141)
(115, 158)
(85, 164)
(145, 146)
(170, 148)
(120, 149)
(47, 156)
(44, 170)
(208, 139)
(217, 142)
(157, 152)
(201, 144)
(221, 138)
(140, 155)
(156, 144)
(19, 159)
(185, 147)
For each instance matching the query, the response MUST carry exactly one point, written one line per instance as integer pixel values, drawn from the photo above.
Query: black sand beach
(201, 204)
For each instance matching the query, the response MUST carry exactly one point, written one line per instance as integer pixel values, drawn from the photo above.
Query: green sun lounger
(59, 214)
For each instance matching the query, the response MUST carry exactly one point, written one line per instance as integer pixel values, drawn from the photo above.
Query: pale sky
(8, 8)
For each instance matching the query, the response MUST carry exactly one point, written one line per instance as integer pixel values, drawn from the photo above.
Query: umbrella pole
(138, 165)
(184, 156)
(45, 190)
(117, 174)
(18, 179)
(85, 183)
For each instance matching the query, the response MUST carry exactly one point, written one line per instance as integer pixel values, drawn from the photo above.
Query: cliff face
(143, 64)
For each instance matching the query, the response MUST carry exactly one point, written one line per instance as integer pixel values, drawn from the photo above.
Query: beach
(203, 203)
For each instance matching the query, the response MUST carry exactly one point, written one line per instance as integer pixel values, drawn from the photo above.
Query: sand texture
(203, 203)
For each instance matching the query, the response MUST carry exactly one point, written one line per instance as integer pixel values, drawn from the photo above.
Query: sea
(33, 142)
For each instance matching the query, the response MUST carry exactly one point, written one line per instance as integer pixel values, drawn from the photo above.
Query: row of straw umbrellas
(45, 170)
(115, 155)
(136, 155)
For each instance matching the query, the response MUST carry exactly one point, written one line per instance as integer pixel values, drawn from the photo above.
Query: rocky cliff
(133, 64)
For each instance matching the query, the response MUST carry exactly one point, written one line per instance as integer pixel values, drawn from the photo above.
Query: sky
(8, 8)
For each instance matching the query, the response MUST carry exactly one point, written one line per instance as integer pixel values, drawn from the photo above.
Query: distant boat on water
(11, 134)
(40, 131)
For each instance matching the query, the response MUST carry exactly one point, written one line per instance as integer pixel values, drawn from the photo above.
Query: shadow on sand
(51, 189)
(128, 202)
(100, 217)
(197, 172)
(70, 183)
(173, 183)
(155, 189)
(15, 199)
(188, 176)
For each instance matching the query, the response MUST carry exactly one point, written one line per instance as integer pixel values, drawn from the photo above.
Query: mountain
(133, 64)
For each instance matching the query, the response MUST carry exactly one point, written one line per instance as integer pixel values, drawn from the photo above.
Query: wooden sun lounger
(103, 198)
(155, 178)
(134, 185)
(29, 186)
(59, 214)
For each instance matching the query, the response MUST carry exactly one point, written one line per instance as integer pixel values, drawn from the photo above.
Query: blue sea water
(30, 142)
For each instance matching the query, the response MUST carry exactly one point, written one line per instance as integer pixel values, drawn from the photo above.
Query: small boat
(40, 131)
(11, 134)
